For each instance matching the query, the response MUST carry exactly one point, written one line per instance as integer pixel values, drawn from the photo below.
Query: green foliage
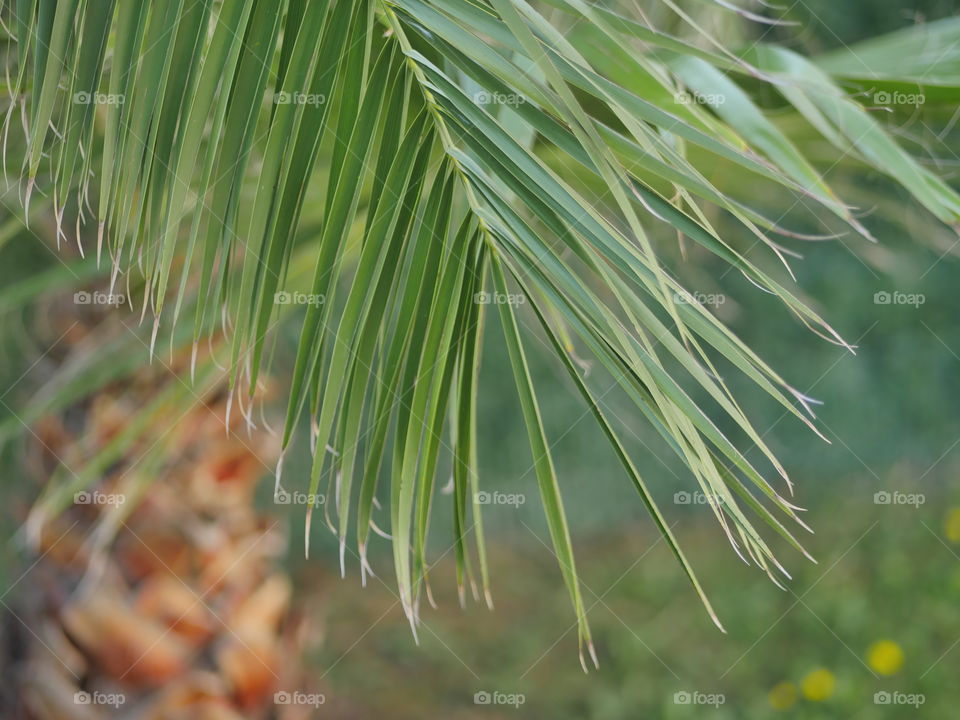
(383, 161)
(867, 589)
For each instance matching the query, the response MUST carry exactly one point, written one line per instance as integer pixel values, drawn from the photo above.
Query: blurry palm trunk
(157, 593)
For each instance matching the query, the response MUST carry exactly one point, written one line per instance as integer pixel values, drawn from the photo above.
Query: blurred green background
(876, 614)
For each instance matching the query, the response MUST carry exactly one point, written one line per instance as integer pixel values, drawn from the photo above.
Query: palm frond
(384, 160)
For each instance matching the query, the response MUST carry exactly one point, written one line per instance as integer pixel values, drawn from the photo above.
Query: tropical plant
(403, 167)
(174, 605)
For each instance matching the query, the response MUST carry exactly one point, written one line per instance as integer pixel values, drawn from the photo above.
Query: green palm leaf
(379, 158)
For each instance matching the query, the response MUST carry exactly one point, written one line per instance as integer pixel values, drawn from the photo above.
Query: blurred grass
(885, 573)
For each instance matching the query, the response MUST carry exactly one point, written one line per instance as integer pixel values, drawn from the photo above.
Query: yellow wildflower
(951, 526)
(818, 685)
(885, 657)
(783, 696)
